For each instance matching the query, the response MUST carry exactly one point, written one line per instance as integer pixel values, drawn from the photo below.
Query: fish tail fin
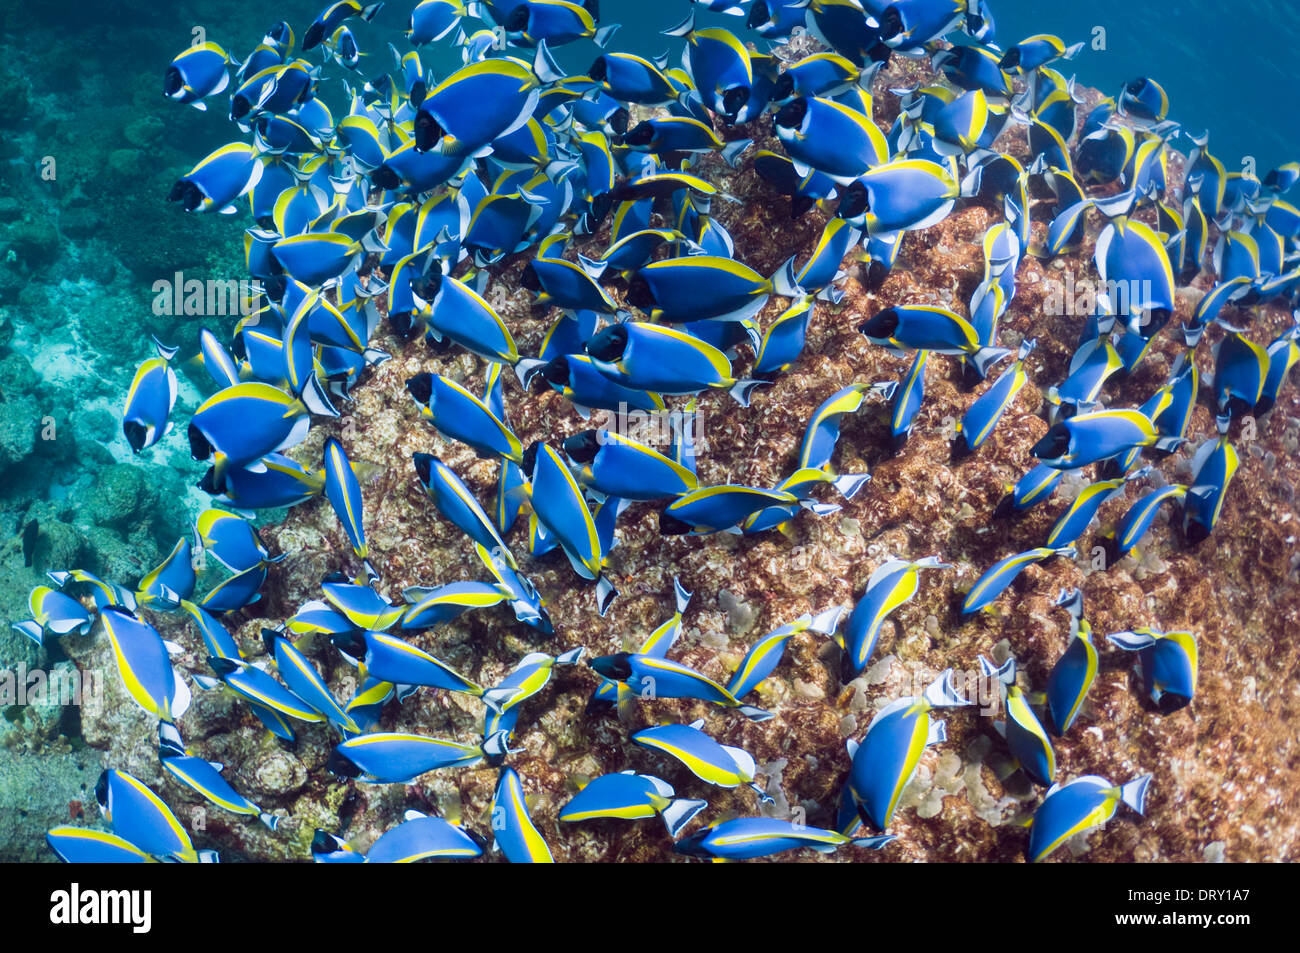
(942, 693)
(545, 66)
(732, 151)
(850, 483)
(784, 283)
(605, 34)
(1134, 793)
(755, 714)
(873, 843)
(605, 595)
(1004, 673)
(742, 390)
(32, 629)
(986, 357)
(527, 369)
(682, 596)
(270, 820)
(828, 621)
(679, 812)
(685, 28)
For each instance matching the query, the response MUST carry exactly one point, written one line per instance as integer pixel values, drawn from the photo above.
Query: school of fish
(402, 201)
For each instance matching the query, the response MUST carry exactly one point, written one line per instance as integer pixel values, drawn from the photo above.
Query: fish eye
(614, 667)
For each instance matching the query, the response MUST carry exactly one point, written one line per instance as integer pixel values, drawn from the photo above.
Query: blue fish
(459, 415)
(1167, 663)
(888, 755)
(515, 834)
(929, 328)
(980, 420)
(631, 796)
(205, 777)
(150, 400)
(1022, 730)
(197, 73)
(653, 676)
(1004, 572)
(745, 838)
(422, 837)
(140, 817)
(1074, 672)
(1079, 806)
(893, 584)
(145, 665)
(397, 758)
(723, 766)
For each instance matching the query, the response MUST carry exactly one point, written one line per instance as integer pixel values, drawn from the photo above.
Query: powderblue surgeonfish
(1213, 467)
(197, 73)
(458, 415)
(830, 137)
(332, 17)
(765, 655)
(631, 796)
(892, 585)
(150, 400)
(304, 679)
(140, 817)
(653, 676)
(215, 183)
(85, 845)
(619, 466)
(1079, 806)
(424, 837)
(744, 838)
(54, 612)
(343, 491)
(888, 755)
(929, 328)
(144, 662)
(983, 415)
(238, 426)
(516, 836)
(1074, 522)
(902, 195)
(1074, 672)
(1167, 663)
(699, 287)
(397, 758)
(908, 395)
(658, 643)
(395, 660)
(1139, 518)
(1100, 435)
(721, 765)
(205, 777)
(1022, 730)
(664, 360)
(457, 504)
(1004, 572)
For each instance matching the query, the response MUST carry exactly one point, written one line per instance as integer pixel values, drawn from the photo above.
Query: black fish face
(326, 843)
(423, 466)
(856, 201)
(200, 449)
(693, 846)
(315, 33)
(421, 388)
(583, 447)
(791, 115)
(642, 135)
(784, 87)
(609, 344)
(342, 765)
(670, 525)
(529, 278)
(529, 461)
(101, 790)
(620, 120)
(598, 70)
(1055, 443)
(734, 100)
(428, 131)
(891, 23)
(759, 15)
(187, 193)
(1010, 59)
(883, 325)
(614, 667)
(172, 81)
(639, 294)
(556, 371)
(352, 644)
(386, 178)
(135, 434)
(517, 21)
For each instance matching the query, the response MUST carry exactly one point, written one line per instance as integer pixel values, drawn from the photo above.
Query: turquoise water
(83, 248)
